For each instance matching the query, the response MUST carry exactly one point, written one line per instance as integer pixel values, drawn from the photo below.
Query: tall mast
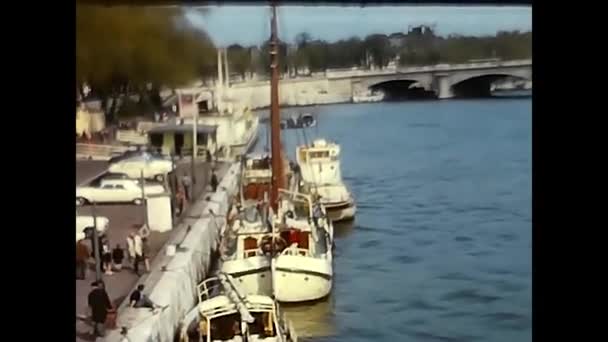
(278, 178)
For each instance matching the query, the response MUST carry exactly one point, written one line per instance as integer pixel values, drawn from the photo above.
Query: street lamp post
(194, 143)
(96, 245)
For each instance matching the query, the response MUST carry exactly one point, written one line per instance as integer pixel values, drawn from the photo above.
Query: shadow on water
(312, 319)
(344, 228)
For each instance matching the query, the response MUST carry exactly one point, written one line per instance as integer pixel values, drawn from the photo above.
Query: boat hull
(302, 279)
(252, 275)
(341, 211)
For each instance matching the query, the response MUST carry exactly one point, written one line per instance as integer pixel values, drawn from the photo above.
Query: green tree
(121, 50)
(240, 59)
(379, 48)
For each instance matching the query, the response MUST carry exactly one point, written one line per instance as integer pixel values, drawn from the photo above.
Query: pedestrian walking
(82, 256)
(187, 184)
(209, 157)
(135, 252)
(145, 248)
(131, 247)
(106, 257)
(99, 304)
(139, 253)
(118, 255)
(180, 197)
(214, 182)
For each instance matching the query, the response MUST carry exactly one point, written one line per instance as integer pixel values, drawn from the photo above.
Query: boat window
(301, 209)
(319, 154)
(261, 164)
(250, 246)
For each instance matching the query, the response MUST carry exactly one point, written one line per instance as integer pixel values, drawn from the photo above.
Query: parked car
(136, 152)
(153, 167)
(84, 224)
(115, 191)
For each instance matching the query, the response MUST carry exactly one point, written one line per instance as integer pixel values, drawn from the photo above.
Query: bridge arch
(480, 84)
(403, 88)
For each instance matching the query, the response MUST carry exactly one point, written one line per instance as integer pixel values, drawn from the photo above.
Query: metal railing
(98, 151)
(132, 137)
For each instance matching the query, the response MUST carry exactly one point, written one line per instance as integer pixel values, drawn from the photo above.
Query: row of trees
(122, 50)
(377, 50)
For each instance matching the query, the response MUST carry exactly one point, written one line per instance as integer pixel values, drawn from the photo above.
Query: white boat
(228, 129)
(236, 130)
(305, 120)
(223, 313)
(242, 255)
(298, 245)
(368, 96)
(303, 271)
(295, 242)
(244, 244)
(320, 173)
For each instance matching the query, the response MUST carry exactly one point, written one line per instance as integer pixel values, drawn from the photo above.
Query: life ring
(288, 215)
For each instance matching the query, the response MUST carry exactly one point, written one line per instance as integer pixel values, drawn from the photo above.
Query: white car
(153, 168)
(84, 222)
(116, 191)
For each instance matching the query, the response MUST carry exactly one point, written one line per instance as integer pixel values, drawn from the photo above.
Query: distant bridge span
(445, 80)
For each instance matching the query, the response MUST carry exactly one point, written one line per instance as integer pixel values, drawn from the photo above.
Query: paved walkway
(122, 219)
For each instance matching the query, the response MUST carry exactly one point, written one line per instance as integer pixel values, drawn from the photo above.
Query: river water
(441, 246)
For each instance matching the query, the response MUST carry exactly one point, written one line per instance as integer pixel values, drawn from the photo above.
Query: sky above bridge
(249, 25)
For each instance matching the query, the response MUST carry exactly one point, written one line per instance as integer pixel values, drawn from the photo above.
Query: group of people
(138, 251)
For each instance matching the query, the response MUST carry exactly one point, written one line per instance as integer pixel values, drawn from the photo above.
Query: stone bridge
(446, 80)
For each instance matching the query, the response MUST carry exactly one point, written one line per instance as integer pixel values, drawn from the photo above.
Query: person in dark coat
(100, 303)
(82, 256)
(214, 181)
(139, 300)
(187, 184)
(118, 255)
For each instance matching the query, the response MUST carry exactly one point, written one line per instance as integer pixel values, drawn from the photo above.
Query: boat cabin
(177, 137)
(221, 320)
(253, 238)
(297, 214)
(319, 163)
(257, 176)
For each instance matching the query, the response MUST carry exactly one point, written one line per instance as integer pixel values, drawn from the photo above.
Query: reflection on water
(343, 229)
(312, 320)
(441, 246)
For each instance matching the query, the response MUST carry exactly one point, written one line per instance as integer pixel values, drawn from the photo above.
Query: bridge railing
(428, 68)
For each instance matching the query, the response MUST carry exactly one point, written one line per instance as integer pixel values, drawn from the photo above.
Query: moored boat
(321, 175)
(224, 313)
